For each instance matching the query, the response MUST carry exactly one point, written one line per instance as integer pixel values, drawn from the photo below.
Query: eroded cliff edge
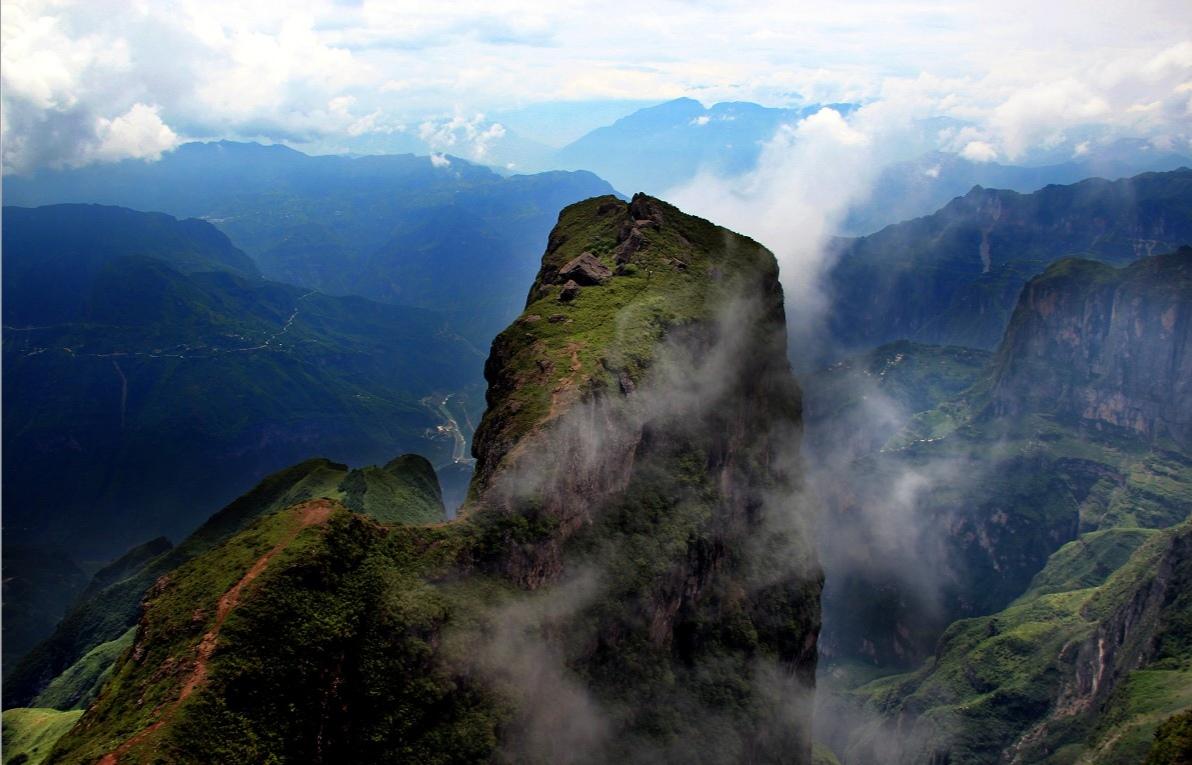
(1108, 346)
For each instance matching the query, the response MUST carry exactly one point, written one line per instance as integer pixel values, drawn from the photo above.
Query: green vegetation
(686, 266)
(112, 604)
(953, 277)
(1058, 486)
(403, 491)
(78, 686)
(460, 240)
(1086, 561)
(996, 678)
(1173, 741)
(30, 734)
(317, 633)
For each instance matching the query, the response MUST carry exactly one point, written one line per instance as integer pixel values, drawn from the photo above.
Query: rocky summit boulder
(585, 270)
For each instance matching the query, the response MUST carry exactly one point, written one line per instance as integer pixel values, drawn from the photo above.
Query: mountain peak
(562, 346)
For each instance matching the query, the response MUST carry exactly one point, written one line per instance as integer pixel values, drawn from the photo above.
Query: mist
(588, 469)
(882, 532)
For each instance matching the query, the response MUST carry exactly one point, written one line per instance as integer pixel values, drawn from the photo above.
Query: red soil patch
(311, 513)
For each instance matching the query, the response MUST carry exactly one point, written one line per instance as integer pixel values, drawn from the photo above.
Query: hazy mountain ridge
(162, 393)
(953, 277)
(661, 147)
(918, 187)
(378, 226)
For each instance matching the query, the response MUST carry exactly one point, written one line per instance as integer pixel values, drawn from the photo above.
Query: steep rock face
(1072, 451)
(1112, 347)
(1136, 624)
(631, 580)
(660, 412)
(952, 277)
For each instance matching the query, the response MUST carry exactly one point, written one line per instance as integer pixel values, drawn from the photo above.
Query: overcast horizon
(98, 82)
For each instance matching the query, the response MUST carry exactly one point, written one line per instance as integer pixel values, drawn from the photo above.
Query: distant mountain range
(918, 187)
(416, 231)
(661, 147)
(952, 277)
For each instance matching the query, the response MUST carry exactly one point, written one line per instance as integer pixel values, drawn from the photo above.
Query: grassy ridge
(30, 734)
(108, 612)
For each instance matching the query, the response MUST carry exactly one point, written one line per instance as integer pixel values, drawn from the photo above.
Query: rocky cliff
(632, 578)
(953, 276)
(1108, 346)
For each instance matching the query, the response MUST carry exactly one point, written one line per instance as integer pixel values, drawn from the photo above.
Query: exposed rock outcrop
(1074, 672)
(1107, 346)
(586, 270)
(671, 427)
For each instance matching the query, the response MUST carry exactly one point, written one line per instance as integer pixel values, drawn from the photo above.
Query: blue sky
(99, 81)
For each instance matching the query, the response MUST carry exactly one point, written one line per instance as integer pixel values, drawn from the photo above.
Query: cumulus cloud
(1023, 76)
(471, 137)
(808, 177)
(978, 151)
(138, 133)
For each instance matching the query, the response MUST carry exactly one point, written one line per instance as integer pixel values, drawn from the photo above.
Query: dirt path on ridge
(310, 513)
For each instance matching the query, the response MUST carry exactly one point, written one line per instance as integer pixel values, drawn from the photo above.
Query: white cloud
(1024, 76)
(1038, 115)
(440, 160)
(470, 137)
(978, 151)
(808, 177)
(138, 133)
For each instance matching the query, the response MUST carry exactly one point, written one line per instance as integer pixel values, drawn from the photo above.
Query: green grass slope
(111, 607)
(1083, 668)
(30, 734)
(78, 686)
